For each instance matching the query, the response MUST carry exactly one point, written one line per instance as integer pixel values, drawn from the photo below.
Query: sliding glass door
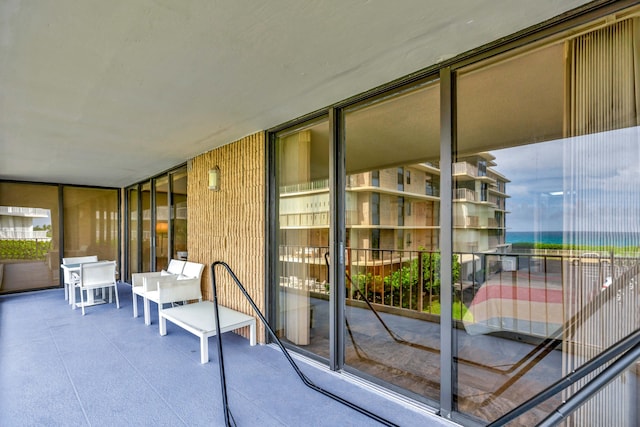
(301, 294)
(178, 208)
(157, 222)
(161, 228)
(29, 237)
(145, 225)
(133, 230)
(546, 223)
(392, 209)
(91, 222)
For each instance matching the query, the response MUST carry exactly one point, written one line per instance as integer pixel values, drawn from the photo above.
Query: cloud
(597, 175)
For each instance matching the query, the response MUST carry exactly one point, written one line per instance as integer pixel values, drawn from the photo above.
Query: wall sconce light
(214, 179)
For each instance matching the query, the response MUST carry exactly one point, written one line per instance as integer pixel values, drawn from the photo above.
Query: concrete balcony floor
(59, 368)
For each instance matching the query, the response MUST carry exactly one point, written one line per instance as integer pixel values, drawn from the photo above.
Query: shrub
(404, 281)
(24, 249)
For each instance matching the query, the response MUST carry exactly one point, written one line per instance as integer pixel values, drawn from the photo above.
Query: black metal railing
(628, 351)
(274, 336)
(409, 279)
(585, 282)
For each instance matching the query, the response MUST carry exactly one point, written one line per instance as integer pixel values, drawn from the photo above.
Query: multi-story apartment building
(397, 210)
(479, 205)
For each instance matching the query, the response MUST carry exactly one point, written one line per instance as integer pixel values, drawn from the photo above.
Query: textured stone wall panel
(229, 225)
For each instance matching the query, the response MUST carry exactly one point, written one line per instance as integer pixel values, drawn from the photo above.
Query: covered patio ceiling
(109, 93)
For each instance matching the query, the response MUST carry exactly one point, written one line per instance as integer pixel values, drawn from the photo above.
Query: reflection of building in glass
(479, 207)
(17, 223)
(398, 209)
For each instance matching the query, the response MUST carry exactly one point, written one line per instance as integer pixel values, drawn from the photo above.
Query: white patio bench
(138, 281)
(199, 317)
(191, 272)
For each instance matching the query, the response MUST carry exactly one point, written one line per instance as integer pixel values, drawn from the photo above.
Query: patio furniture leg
(82, 300)
(252, 334)
(160, 307)
(204, 349)
(163, 326)
(147, 314)
(135, 304)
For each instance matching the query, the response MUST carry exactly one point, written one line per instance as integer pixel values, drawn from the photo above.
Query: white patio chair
(137, 281)
(191, 274)
(71, 278)
(97, 275)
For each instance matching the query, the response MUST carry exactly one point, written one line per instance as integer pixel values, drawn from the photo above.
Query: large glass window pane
(90, 222)
(134, 241)
(302, 294)
(162, 222)
(392, 332)
(546, 231)
(145, 206)
(179, 214)
(29, 233)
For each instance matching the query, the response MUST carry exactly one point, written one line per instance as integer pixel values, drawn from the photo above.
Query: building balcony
(305, 220)
(305, 187)
(467, 221)
(24, 212)
(463, 171)
(464, 194)
(492, 223)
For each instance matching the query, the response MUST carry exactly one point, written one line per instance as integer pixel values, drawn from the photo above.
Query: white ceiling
(111, 92)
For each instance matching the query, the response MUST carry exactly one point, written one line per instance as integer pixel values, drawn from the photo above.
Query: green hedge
(24, 249)
(584, 248)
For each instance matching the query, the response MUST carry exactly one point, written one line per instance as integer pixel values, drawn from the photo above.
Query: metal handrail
(592, 387)
(629, 347)
(301, 375)
(570, 326)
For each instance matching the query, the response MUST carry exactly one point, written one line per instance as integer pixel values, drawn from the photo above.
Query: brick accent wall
(229, 225)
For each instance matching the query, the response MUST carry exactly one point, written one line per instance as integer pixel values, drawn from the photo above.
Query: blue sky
(42, 221)
(582, 183)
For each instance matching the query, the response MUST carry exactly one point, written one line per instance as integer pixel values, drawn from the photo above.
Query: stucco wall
(228, 225)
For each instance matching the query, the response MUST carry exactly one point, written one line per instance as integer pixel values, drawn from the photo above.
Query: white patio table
(91, 299)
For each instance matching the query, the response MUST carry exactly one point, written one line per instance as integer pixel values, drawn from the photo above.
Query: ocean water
(578, 238)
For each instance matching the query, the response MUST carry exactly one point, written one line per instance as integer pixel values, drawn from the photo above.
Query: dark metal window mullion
(447, 138)
(337, 180)
(273, 241)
